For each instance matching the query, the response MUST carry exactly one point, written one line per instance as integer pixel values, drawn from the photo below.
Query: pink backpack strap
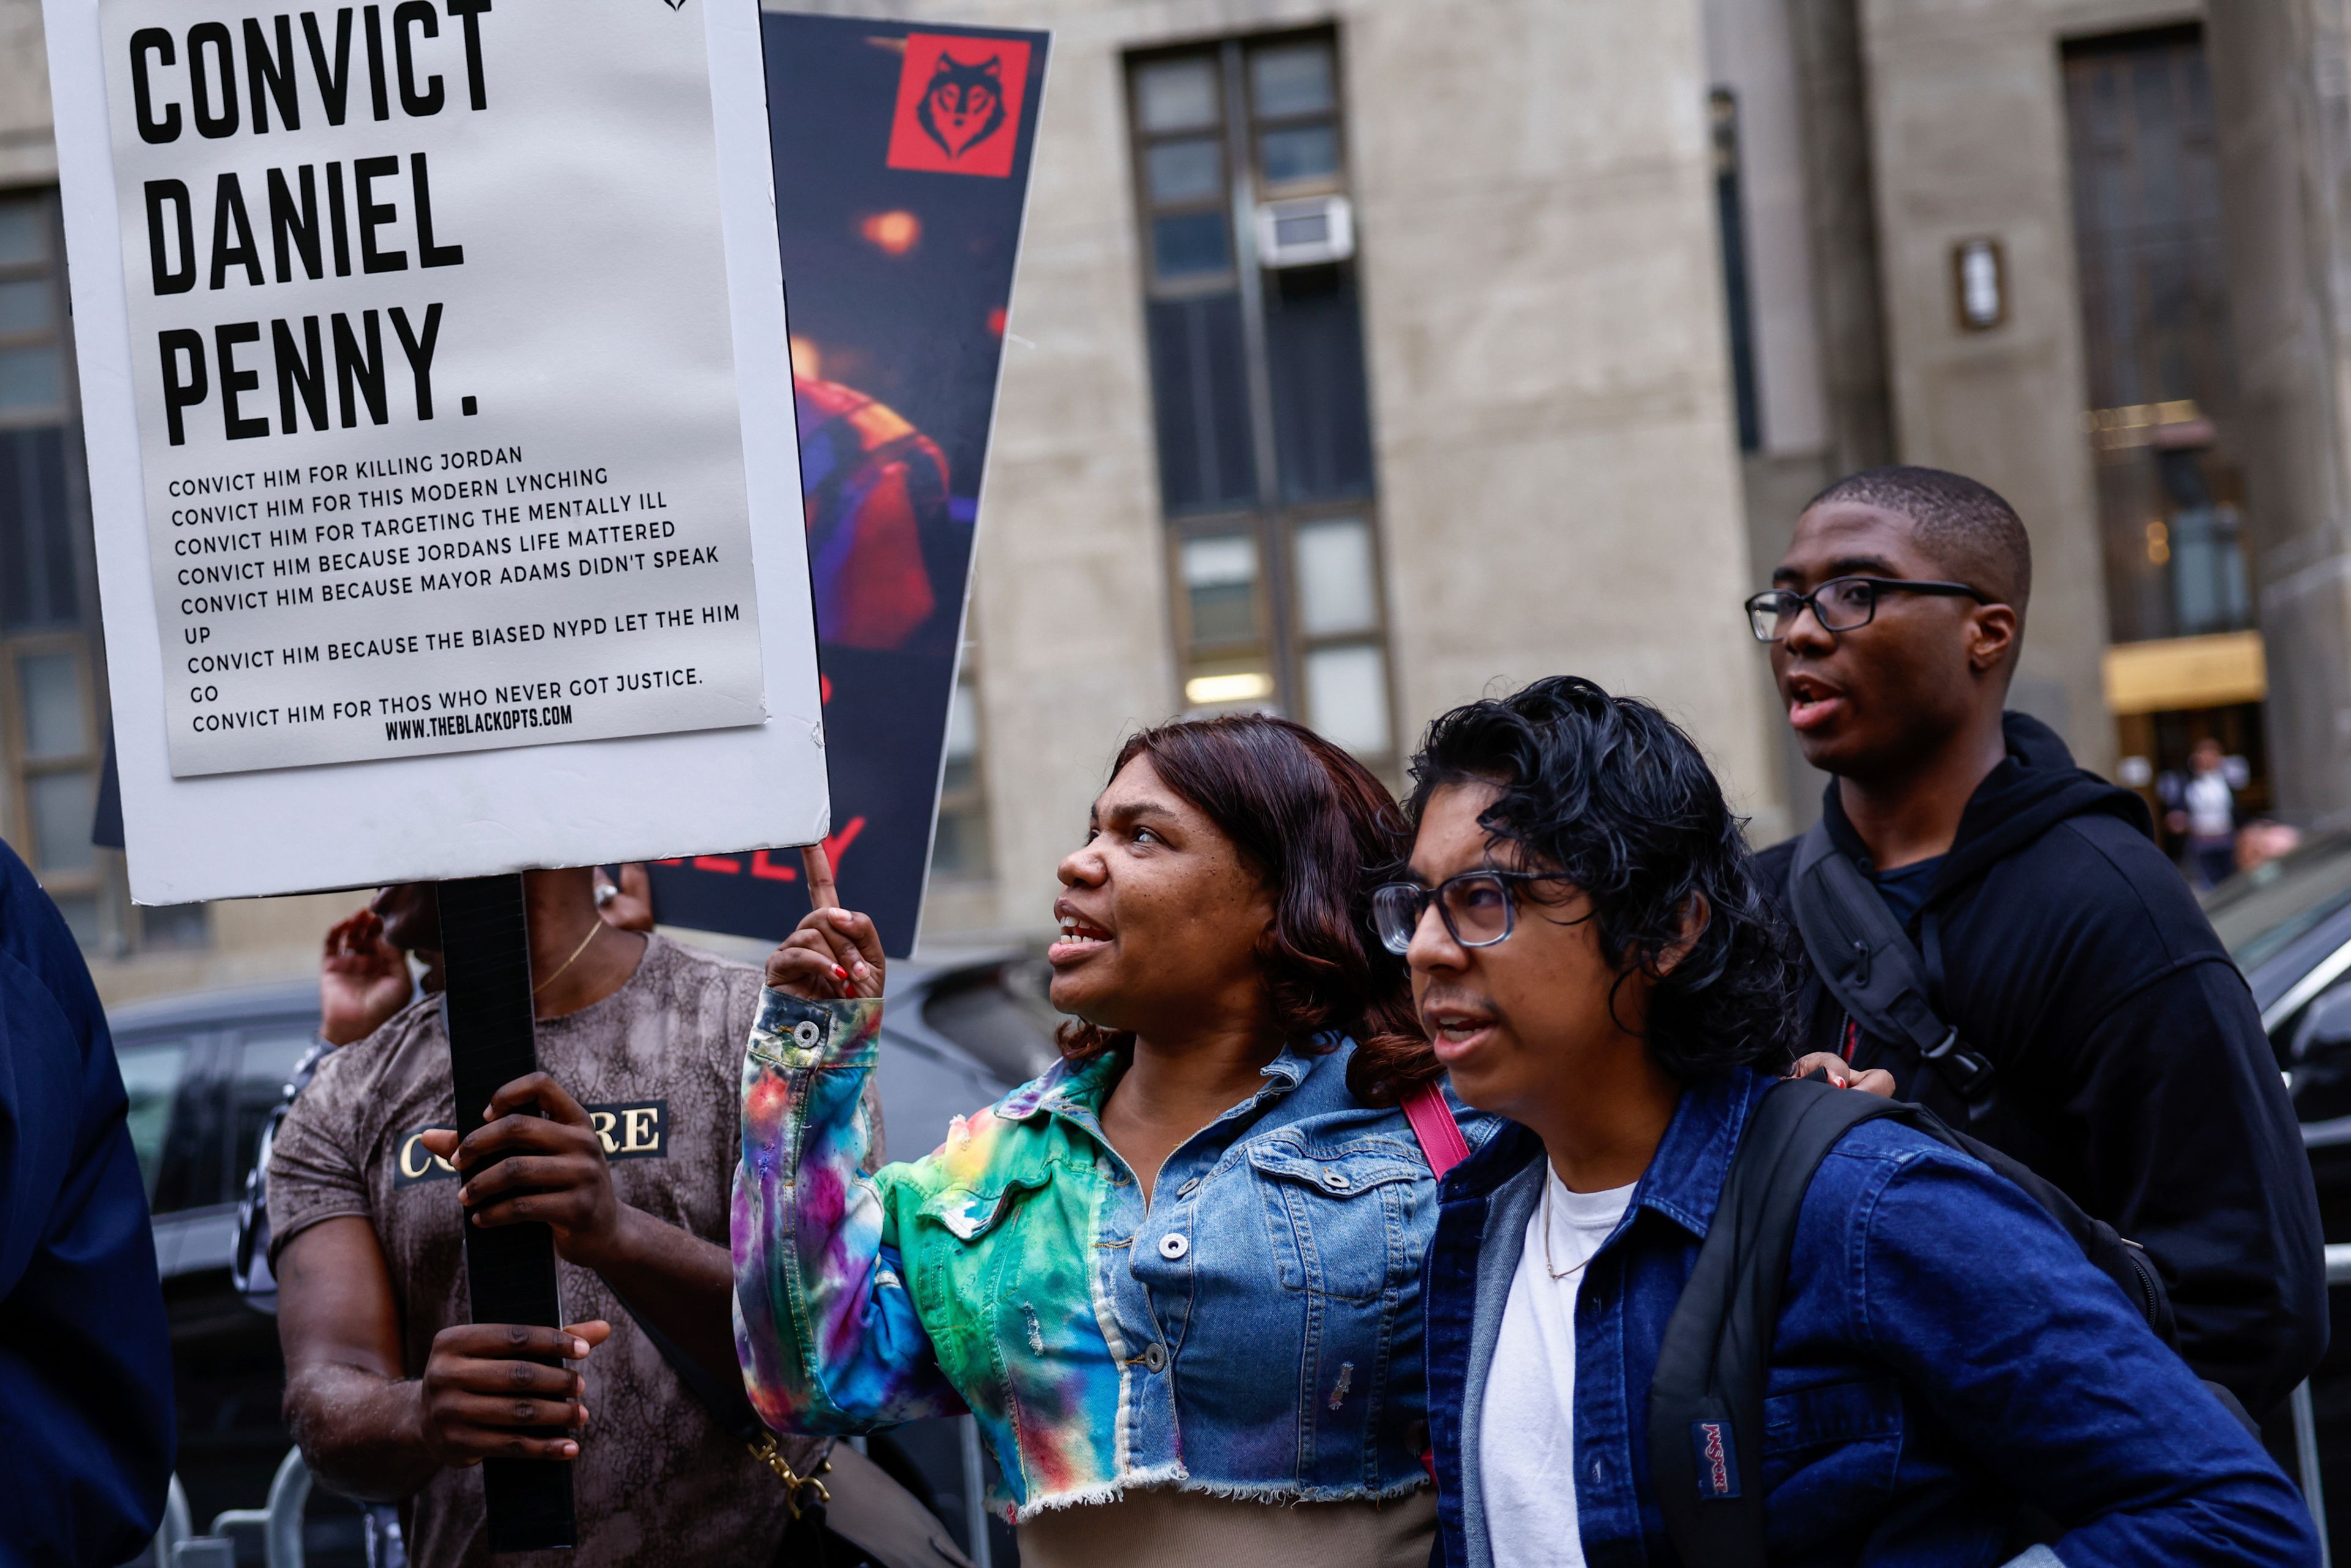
(1441, 1143)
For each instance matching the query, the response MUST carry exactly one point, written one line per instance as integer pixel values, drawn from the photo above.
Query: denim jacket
(1253, 1330)
(1943, 1355)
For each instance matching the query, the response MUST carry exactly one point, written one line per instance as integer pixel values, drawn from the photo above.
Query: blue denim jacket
(1254, 1330)
(1943, 1352)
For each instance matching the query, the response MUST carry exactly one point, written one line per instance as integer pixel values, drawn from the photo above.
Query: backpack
(1706, 1401)
(1862, 956)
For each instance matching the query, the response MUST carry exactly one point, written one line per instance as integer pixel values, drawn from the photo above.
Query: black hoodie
(2132, 1068)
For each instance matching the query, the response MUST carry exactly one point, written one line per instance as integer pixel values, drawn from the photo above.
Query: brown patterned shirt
(658, 1064)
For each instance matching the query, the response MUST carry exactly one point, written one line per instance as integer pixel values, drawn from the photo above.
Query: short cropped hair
(1967, 526)
(1611, 793)
(1316, 826)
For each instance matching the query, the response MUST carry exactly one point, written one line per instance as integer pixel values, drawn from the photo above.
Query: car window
(2259, 914)
(1000, 1016)
(151, 1071)
(266, 1059)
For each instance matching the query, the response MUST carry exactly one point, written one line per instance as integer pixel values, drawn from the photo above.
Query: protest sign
(902, 161)
(441, 467)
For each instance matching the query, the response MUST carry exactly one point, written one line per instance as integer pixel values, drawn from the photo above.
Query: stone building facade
(2146, 195)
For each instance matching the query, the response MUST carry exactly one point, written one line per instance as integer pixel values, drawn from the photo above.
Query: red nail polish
(839, 973)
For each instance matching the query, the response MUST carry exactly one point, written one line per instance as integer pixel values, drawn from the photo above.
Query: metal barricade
(281, 1520)
(177, 1544)
(2306, 1420)
(177, 1525)
(974, 1490)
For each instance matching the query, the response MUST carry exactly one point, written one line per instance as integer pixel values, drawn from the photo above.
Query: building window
(53, 714)
(49, 714)
(1730, 222)
(959, 846)
(53, 745)
(2163, 422)
(1259, 394)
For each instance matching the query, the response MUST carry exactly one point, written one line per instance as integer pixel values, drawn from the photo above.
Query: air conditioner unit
(1305, 233)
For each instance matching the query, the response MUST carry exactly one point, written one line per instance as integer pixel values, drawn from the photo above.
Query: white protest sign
(438, 437)
(440, 431)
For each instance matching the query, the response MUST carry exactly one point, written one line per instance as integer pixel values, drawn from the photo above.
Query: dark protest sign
(902, 161)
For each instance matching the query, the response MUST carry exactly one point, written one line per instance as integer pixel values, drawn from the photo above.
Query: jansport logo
(1717, 1470)
(959, 104)
(638, 1132)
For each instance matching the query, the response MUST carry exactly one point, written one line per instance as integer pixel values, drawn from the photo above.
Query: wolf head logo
(964, 105)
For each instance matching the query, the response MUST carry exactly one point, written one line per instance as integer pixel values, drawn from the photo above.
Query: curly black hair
(1610, 792)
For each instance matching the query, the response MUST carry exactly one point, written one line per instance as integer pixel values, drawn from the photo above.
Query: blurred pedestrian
(1998, 929)
(2208, 815)
(2264, 839)
(1593, 958)
(87, 1416)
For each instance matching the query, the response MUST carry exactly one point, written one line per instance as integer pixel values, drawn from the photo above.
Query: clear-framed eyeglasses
(1478, 907)
(1842, 603)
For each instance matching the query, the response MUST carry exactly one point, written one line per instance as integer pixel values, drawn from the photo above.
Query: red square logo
(959, 104)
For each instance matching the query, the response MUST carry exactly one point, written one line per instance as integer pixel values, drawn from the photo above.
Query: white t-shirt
(1526, 1433)
(2212, 807)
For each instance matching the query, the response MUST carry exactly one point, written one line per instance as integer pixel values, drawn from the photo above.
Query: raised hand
(362, 980)
(629, 906)
(833, 953)
(1839, 1073)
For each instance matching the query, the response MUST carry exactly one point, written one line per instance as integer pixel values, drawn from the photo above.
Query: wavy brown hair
(1317, 827)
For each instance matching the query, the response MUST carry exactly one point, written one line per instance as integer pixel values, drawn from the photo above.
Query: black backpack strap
(1706, 1401)
(248, 1267)
(1862, 956)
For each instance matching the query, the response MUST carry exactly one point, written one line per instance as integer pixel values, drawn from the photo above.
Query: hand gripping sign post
(448, 504)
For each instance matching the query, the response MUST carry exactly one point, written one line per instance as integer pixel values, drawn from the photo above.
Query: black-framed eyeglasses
(1477, 907)
(1842, 603)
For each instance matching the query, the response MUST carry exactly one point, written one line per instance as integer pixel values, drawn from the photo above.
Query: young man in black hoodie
(2103, 1036)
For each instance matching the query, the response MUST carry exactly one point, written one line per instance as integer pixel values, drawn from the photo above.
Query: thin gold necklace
(596, 930)
(1548, 1182)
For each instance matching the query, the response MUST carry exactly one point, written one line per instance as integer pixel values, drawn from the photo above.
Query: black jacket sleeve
(2188, 1146)
(2135, 1075)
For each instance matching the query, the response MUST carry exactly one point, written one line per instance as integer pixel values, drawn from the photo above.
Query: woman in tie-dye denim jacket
(1177, 1278)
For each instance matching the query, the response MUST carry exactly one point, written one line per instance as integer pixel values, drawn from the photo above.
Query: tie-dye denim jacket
(1255, 1330)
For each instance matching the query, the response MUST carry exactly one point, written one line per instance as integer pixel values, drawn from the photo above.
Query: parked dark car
(2288, 925)
(203, 1072)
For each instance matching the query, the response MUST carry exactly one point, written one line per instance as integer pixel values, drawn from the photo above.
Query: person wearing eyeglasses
(1176, 1279)
(1593, 959)
(2066, 1001)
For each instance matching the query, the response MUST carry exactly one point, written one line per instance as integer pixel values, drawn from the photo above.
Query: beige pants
(1160, 1528)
